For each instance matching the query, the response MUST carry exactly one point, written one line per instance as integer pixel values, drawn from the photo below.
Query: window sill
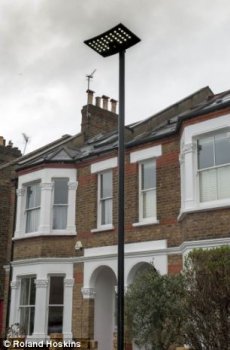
(40, 234)
(204, 207)
(145, 223)
(103, 228)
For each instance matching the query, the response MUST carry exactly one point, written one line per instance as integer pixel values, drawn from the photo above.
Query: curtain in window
(215, 184)
(149, 203)
(27, 304)
(106, 211)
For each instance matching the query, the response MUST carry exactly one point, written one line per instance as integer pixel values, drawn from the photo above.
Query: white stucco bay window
(205, 165)
(41, 297)
(46, 203)
(146, 159)
(104, 172)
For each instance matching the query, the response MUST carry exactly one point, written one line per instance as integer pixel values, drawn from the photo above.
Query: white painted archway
(103, 280)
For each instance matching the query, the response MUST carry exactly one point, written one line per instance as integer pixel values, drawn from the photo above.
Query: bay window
(214, 167)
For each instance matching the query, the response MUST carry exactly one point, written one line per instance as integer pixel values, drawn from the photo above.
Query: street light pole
(117, 40)
(121, 202)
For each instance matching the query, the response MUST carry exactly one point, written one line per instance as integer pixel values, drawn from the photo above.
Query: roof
(65, 149)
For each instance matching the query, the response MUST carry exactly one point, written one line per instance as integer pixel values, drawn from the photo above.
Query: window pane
(106, 212)
(60, 191)
(223, 175)
(56, 290)
(55, 319)
(149, 204)
(27, 296)
(33, 196)
(106, 184)
(59, 217)
(148, 175)
(32, 220)
(208, 185)
(27, 319)
(206, 152)
(222, 148)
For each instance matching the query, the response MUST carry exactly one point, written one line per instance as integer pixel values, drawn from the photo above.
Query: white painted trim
(147, 153)
(42, 270)
(46, 176)
(145, 223)
(103, 165)
(103, 228)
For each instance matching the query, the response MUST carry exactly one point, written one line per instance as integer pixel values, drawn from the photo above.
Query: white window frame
(42, 268)
(190, 197)
(27, 209)
(141, 156)
(28, 306)
(99, 168)
(59, 204)
(54, 305)
(142, 191)
(101, 200)
(45, 177)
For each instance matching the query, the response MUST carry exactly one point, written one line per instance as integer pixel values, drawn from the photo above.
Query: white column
(20, 212)
(45, 214)
(72, 186)
(189, 176)
(40, 330)
(14, 304)
(67, 312)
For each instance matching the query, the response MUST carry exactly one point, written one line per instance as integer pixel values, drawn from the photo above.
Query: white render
(135, 253)
(45, 177)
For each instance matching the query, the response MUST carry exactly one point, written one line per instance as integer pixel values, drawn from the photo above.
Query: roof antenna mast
(89, 77)
(26, 139)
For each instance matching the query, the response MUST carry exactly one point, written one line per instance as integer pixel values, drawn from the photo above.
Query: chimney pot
(105, 100)
(113, 105)
(89, 96)
(98, 101)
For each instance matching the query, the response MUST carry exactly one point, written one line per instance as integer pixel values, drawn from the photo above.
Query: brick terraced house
(177, 197)
(7, 154)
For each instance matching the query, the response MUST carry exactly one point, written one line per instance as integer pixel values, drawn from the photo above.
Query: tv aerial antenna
(90, 76)
(26, 139)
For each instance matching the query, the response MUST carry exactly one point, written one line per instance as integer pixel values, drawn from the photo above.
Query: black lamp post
(117, 40)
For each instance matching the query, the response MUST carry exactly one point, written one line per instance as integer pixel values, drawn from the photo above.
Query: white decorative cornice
(42, 283)
(72, 185)
(15, 284)
(21, 191)
(47, 186)
(88, 293)
(69, 282)
(189, 148)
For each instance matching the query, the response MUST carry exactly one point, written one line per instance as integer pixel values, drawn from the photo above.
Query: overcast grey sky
(43, 61)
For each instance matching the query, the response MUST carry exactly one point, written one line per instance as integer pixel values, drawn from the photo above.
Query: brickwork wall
(7, 202)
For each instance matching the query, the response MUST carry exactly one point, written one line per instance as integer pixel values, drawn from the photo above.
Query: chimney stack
(89, 97)
(2, 141)
(105, 100)
(98, 101)
(113, 105)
